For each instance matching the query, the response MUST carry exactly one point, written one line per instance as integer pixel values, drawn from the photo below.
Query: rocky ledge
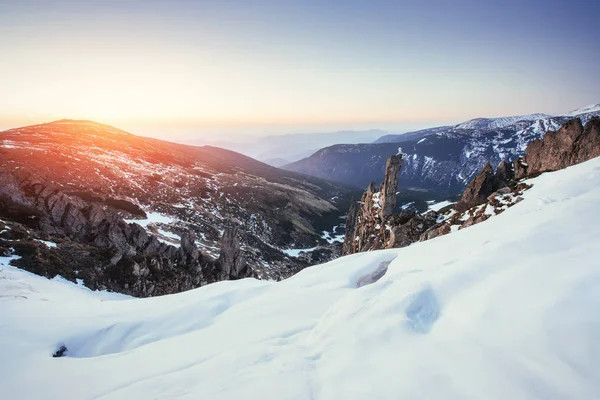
(58, 234)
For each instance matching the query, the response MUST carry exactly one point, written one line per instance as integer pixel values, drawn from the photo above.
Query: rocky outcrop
(407, 227)
(231, 259)
(349, 235)
(491, 193)
(390, 185)
(113, 254)
(374, 226)
(484, 184)
(504, 173)
(571, 144)
(520, 168)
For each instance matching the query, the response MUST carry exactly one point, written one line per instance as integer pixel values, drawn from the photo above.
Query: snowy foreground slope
(506, 309)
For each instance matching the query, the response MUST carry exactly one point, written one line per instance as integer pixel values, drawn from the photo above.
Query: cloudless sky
(176, 68)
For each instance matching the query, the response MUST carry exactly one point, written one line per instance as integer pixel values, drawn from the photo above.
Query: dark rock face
(390, 184)
(571, 144)
(435, 231)
(404, 234)
(520, 168)
(350, 234)
(95, 239)
(484, 184)
(504, 172)
(231, 259)
(373, 226)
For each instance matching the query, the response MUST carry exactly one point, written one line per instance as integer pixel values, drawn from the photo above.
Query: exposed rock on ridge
(484, 184)
(125, 257)
(571, 144)
(373, 226)
(491, 193)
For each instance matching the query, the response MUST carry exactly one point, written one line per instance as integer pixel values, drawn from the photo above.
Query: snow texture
(296, 252)
(440, 205)
(506, 309)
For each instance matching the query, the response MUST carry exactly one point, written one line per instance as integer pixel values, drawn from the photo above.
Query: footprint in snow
(423, 311)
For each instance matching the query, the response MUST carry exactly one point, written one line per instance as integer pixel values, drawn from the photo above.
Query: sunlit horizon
(185, 70)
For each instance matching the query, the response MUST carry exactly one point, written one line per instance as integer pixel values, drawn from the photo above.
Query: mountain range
(439, 160)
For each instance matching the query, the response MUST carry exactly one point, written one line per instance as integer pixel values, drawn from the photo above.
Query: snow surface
(296, 252)
(153, 218)
(506, 309)
(593, 108)
(440, 205)
(501, 122)
(47, 243)
(331, 237)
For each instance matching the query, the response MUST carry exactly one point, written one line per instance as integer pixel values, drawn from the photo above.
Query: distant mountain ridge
(441, 159)
(274, 149)
(488, 123)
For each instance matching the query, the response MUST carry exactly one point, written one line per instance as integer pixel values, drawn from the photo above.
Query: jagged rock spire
(231, 258)
(390, 185)
(373, 226)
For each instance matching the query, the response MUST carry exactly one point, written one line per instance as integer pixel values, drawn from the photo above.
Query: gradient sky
(178, 67)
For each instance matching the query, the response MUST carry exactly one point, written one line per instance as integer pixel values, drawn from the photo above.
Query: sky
(230, 68)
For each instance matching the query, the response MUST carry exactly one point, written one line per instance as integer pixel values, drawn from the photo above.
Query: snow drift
(505, 309)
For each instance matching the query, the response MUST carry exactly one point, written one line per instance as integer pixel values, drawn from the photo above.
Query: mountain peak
(584, 110)
(500, 122)
(86, 124)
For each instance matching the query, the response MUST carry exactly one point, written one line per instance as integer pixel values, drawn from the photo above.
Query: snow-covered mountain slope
(506, 309)
(442, 159)
(594, 108)
(495, 123)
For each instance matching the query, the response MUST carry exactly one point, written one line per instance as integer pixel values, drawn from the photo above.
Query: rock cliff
(571, 144)
(95, 244)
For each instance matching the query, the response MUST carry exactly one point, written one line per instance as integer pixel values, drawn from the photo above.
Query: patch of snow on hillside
(584, 110)
(5, 261)
(296, 252)
(174, 239)
(153, 218)
(506, 309)
(47, 243)
(331, 237)
(440, 205)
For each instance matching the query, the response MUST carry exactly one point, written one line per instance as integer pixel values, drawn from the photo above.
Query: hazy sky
(183, 67)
